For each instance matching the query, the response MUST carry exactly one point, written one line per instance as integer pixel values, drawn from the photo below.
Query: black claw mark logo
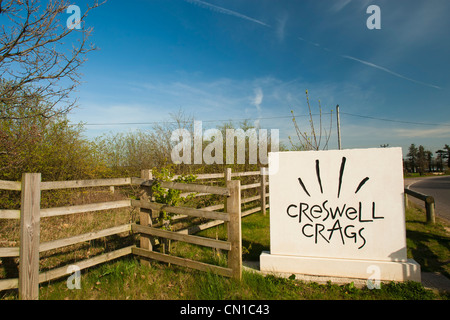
(361, 184)
(341, 174)
(319, 214)
(318, 175)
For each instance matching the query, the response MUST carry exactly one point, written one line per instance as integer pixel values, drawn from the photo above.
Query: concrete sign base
(359, 269)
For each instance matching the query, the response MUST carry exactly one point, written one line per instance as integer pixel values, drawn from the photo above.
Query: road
(439, 188)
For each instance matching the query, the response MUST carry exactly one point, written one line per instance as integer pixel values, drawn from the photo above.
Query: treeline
(420, 160)
(60, 151)
(30, 142)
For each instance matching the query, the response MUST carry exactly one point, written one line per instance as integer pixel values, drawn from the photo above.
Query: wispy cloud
(226, 11)
(339, 5)
(435, 132)
(372, 65)
(258, 99)
(281, 26)
(389, 71)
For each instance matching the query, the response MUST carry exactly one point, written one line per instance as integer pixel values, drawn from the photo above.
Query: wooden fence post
(29, 236)
(406, 201)
(145, 215)
(263, 190)
(430, 210)
(429, 204)
(234, 228)
(227, 176)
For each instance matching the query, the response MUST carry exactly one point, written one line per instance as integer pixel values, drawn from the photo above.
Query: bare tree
(35, 63)
(313, 140)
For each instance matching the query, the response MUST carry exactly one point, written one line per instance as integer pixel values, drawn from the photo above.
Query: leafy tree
(447, 156)
(171, 197)
(52, 147)
(440, 159)
(412, 157)
(429, 157)
(421, 160)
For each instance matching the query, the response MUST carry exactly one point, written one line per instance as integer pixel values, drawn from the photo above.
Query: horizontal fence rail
(87, 263)
(10, 185)
(183, 186)
(9, 214)
(429, 204)
(217, 244)
(56, 244)
(53, 185)
(226, 272)
(7, 284)
(60, 211)
(181, 210)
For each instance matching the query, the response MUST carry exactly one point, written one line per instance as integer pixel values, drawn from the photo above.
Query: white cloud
(258, 99)
(435, 132)
(281, 26)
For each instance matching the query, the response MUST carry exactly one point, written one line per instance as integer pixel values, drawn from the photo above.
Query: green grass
(255, 235)
(428, 245)
(128, 279)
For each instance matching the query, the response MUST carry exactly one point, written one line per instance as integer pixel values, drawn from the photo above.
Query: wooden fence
(31, 212)
(30, 215)
(232, 216)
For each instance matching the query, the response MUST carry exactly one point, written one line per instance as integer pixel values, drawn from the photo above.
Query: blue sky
(254, 59)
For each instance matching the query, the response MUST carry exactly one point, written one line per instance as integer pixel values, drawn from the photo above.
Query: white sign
(343, 204)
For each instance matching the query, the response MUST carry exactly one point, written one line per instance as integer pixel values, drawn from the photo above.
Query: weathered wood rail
(30, 215)
(429, 204)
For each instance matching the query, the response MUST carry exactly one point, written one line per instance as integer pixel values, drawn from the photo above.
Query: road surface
(439, 188)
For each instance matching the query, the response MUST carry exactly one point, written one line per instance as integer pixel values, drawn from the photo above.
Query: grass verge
(429, 245)
(127, 279)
